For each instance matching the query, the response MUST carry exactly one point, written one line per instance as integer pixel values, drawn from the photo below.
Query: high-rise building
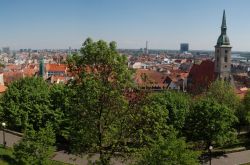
(69, 51)
(184, 47)
(146, 48)
(223, 53)
(6, 50)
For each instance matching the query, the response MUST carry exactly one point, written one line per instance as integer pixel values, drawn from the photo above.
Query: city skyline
(59, 24)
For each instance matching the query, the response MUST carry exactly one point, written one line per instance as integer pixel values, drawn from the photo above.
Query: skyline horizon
(152, 49)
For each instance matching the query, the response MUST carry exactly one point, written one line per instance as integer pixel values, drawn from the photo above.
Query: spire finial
(224, 24)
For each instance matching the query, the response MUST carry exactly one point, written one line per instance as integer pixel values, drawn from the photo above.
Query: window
(225, 58)
(225, 66)
(218, 51)
(226, 51)
(218, 58)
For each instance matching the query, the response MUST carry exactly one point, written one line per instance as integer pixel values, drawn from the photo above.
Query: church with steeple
(222, 63)
(203, 74)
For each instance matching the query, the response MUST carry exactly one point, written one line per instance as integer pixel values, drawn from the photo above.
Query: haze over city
(172, 89)
(165, 24)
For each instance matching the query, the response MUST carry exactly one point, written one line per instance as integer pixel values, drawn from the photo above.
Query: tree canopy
(36, 147)
(169, 151)
(178, 105)
(245, 109)
(224, 93)
(210, 122)
(26, 102)
(60, 96)
(100, 108)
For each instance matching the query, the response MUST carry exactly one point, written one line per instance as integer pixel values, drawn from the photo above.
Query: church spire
(223, 38)
(224, 24)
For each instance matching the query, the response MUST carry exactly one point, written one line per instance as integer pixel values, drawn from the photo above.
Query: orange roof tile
(29, 72)
(145, 77)
(56, 67)
(2, 88)
(32, 66)
(11, 76)
(13, 67)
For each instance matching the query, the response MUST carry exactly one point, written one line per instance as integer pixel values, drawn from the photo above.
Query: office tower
(184, 47)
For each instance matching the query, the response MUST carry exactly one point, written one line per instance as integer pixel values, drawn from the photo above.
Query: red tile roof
(32, 66)
(56, 67)
(176, 78)
(13, 67)
(149, 78)
(201, 76)
(2, 88)
(29, 72)
(10, 76)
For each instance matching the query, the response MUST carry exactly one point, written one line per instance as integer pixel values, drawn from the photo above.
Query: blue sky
(164, 23)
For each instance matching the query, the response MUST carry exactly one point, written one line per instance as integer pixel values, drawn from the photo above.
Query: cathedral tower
(223, 53)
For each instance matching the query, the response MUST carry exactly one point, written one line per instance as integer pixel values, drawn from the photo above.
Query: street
(227, 159)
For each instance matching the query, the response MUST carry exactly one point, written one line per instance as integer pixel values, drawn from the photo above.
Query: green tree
(73, 62)
(60, 97)
(99, 108)
(245, 109)
(177, 104)
(170, 106)
(210, 122)
(169, 151)
(36, 147)
(104, 120)
(25, 103)
(152, 130)
(224, 93)
(147, 122)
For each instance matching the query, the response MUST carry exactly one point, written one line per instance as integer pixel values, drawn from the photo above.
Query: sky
(55, 24)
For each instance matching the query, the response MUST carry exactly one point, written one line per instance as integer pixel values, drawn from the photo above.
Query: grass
(7, 158)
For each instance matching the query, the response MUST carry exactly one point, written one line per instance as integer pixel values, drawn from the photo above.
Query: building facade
(6, 50)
